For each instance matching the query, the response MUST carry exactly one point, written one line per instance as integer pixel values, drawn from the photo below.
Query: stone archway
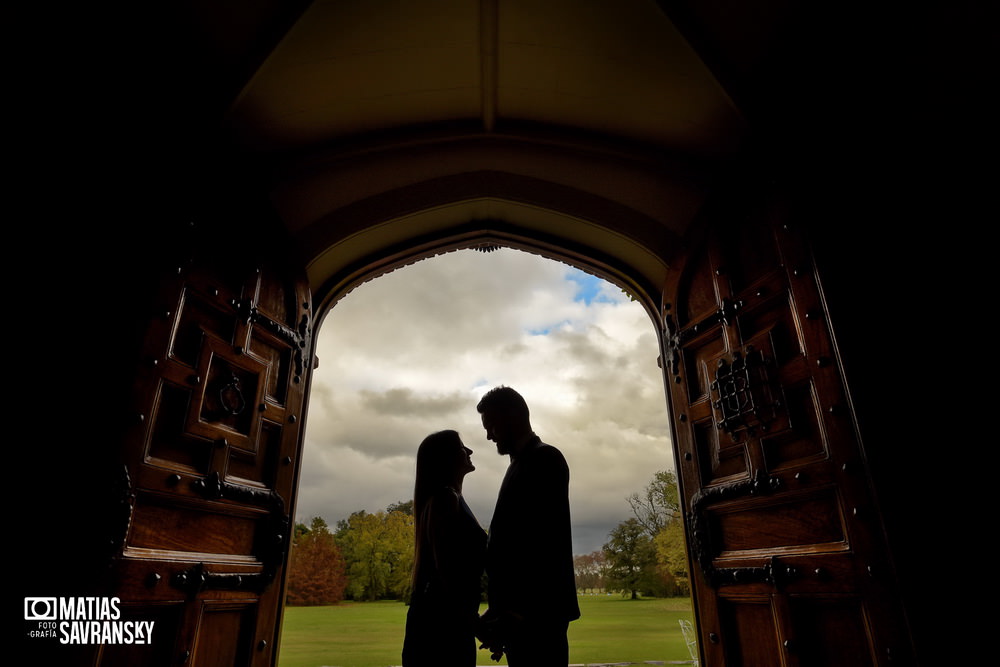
(743, 227)
(339, 416)
(605, 236)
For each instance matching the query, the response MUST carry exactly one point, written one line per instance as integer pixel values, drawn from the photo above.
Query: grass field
(370, 634)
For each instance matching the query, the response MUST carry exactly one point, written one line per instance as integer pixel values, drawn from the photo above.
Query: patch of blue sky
(588, 288)
(546, 330)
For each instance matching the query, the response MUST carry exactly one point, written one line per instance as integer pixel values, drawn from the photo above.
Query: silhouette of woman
(449, 556)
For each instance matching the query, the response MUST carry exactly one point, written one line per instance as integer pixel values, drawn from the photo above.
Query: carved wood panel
(783, 529)
(211, 460)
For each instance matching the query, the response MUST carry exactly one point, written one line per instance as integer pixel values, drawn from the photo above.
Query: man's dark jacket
(530, 552)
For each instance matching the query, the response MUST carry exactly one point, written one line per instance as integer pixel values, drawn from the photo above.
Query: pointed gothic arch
(741, 472)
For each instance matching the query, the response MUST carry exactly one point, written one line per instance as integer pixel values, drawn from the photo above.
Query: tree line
(369, 556)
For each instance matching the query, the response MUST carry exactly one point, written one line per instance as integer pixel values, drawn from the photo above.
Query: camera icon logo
(40, 609)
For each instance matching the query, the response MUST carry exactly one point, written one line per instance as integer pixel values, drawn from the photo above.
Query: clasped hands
(492, 630)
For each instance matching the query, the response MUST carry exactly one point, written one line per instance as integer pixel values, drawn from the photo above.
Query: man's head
(505, 418)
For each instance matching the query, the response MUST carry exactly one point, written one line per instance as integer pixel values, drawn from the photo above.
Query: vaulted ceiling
(298, 77)
(621, 69)
(398, 119)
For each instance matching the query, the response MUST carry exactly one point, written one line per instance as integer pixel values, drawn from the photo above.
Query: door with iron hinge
(789, 563)
(210, 462)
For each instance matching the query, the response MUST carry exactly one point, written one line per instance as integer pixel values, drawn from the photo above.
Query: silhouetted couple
(528, 555)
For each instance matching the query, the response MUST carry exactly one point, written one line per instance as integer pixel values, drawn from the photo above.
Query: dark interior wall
(885, 190)
(116, 157)
(871, 288)
(880, 134)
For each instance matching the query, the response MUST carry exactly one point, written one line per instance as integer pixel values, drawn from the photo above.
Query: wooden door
(789, 564)
(209, 465)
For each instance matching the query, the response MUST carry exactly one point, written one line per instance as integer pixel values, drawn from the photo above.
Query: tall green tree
(647, 553)
(631, 558)
(378, 548)
(316, 574)
(658, 511)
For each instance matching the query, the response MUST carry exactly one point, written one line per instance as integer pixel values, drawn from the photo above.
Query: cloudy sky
(412, 352)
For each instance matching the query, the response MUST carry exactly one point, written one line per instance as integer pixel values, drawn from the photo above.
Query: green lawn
(370, 634)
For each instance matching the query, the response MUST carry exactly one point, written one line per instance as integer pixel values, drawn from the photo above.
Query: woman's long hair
(436, 459)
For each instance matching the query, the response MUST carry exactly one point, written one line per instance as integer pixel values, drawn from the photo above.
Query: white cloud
(413, 351)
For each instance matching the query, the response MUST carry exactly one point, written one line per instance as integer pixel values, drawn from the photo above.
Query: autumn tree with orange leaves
(317, 572)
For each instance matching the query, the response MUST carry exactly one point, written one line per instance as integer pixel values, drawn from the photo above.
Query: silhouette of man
(529, 560)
